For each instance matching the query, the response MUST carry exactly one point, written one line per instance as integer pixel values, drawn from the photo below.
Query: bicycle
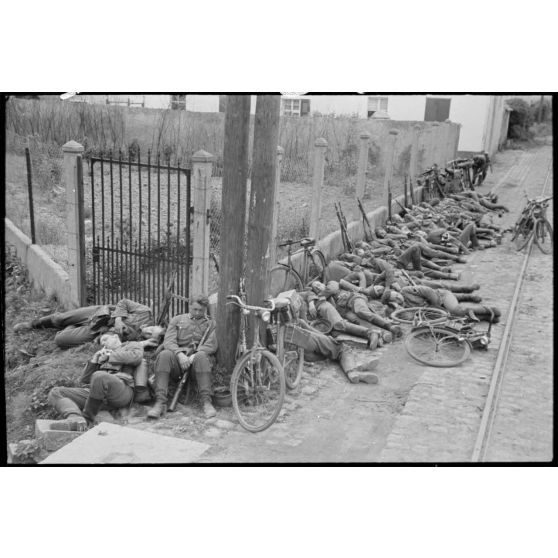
(290, 356)
(433, 183)
(533, 223)
(258, 380)
(420, 315)
(440, 341)
(284, 277)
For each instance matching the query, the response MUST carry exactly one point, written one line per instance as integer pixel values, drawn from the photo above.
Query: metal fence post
(317, 184)
(201, 199)
(275, 222)
(362, 164)
(30, 192)
(389, 160)
(72, 150)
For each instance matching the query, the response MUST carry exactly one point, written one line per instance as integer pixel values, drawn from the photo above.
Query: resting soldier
(318, 346)
(111, 375)
(190, 342)
(83, 325)
(440, 298)
(318, 305)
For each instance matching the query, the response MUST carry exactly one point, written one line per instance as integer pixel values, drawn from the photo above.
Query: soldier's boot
(395, 330)
(464, 288)
(467, 297)
(161, 391)
(74, 422)
(484, 313)
(358, 373)
(359, 331)
(91, 409)
(208, 409)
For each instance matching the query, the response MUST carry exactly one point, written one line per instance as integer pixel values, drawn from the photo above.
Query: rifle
(412, 192)
(389, 204)
(168, 295)
(184, 378)
(405, 210)
(408, 277)
(347, 242)
(368, 234)
(405, 190)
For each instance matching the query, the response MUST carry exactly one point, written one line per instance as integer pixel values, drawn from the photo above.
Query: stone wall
(43, 272)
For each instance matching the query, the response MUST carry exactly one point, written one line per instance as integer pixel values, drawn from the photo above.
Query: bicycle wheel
(291, 358)
(283, 278)
(522, 234)
(316, 264)
(258, 390)
(418, 314)
(437, 346)
(544, 236)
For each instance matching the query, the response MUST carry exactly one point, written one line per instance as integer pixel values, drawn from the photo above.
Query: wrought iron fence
(140, 230)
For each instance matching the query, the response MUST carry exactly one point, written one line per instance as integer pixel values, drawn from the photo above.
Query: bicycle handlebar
(539, 201)
(304, 242)
(234, 299)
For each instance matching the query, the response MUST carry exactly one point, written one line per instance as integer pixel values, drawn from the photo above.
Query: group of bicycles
(458, 175)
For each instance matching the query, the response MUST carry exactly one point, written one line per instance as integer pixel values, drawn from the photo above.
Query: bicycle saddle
(307, 242)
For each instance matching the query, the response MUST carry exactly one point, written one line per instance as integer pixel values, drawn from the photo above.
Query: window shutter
(304, 107)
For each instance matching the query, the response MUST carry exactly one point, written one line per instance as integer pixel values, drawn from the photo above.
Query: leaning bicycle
(258, 379)
(285, 276)
(533, 224)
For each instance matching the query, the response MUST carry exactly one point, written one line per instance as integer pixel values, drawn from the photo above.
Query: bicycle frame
(307, 251)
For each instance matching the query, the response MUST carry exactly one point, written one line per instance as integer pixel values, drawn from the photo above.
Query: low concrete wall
(43, 272)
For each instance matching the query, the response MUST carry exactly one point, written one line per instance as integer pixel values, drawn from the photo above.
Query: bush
(521, 118)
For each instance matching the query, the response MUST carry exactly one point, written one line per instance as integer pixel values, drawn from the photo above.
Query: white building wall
(471, 111)
(202, 103)
(338, 104)
(406, 107)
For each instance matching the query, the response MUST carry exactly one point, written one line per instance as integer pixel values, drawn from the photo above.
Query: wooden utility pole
(262, 197)
(233, 224)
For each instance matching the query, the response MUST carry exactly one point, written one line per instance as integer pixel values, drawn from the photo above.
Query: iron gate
(140, 231)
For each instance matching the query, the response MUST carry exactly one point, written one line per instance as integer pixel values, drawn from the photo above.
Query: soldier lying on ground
(189, 345)
(111, 374)
(319, 346)
(421, 295)
(317, 305)
(83, 325)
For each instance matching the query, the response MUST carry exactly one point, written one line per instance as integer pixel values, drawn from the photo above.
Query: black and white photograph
(278, 278)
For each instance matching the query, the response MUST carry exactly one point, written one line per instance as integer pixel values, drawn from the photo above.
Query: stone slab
(53, 440)
(111, 443)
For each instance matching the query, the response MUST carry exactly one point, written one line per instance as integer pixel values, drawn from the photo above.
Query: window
(291, 107)
(436, 110)
(295, 107)
(178, 102)
(376, 104)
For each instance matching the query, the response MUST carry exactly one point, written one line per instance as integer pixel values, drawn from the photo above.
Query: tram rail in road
(491, 406)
